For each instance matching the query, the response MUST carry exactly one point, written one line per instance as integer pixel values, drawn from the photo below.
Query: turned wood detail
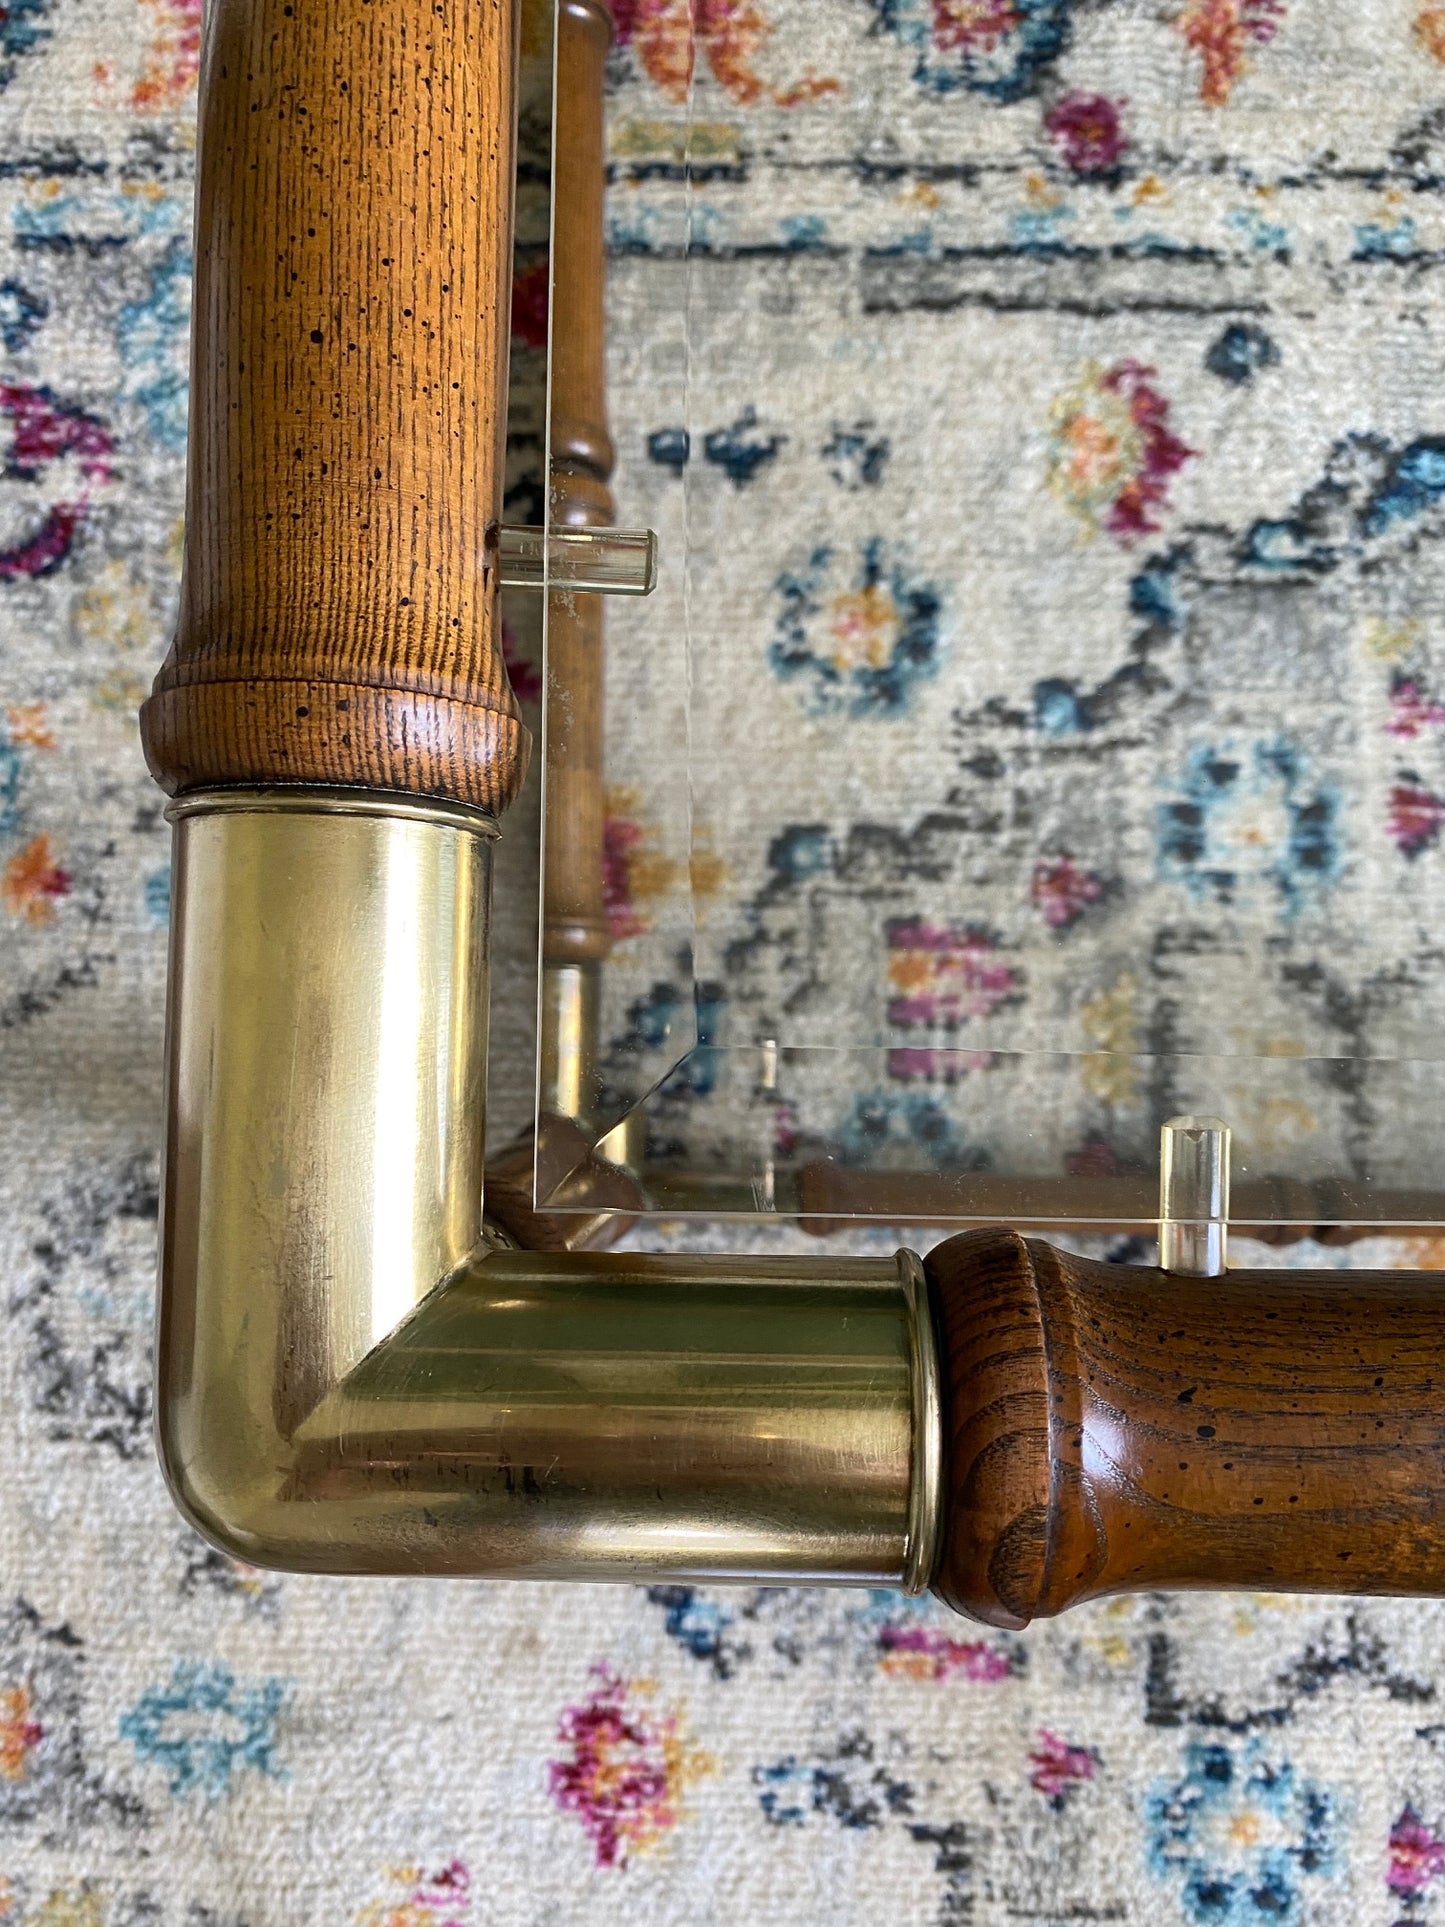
(574, 911)
(1115, 1429)
(339, 615)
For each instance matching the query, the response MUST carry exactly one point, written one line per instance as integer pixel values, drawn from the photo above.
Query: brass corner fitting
(351, 1381)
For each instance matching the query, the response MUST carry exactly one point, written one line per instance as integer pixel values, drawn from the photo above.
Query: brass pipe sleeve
(325, 1104)
(618, 1417)
(350, 1382)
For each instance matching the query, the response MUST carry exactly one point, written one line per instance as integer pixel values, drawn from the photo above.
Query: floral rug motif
(1038, 408)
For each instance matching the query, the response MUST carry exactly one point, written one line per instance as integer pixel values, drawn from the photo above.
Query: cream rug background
(183, 1741)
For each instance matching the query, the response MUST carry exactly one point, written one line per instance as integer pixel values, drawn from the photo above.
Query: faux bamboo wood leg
(339, 620)
(1119, 1429)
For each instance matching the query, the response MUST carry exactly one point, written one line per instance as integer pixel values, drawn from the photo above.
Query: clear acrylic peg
(587, 561)
(1194, 1196)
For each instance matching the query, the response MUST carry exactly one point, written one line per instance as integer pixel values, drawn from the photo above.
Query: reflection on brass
(567, 1040)
(326, 1081)
(349, 1382)
(925, 1508)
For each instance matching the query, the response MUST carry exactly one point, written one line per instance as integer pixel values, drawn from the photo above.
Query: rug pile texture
(1219, 222)
(1037, 730)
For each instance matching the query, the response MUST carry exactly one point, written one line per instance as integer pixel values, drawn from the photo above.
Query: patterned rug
(1038, 727)
(190, 1743)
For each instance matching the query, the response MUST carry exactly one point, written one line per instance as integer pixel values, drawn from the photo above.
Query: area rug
(1037, 729)
(191, 1743)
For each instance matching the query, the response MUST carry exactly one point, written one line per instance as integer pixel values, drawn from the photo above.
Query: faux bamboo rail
(574, 914)
(1116, 1429)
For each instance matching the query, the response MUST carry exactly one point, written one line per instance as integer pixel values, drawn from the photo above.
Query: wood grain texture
(579, 266)
(339, 617)
(574, 910)
(1117, 1429)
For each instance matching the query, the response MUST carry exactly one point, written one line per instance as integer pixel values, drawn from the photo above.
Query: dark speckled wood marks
(1119, 1429)
(339, 619)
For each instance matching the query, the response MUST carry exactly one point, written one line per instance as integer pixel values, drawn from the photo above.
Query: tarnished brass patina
(349, 1381)
(616, 1416)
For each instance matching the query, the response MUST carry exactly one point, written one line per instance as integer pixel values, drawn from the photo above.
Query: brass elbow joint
(349, 1381)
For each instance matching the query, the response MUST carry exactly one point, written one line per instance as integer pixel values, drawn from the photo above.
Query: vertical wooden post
(574, 914)
(339, 619)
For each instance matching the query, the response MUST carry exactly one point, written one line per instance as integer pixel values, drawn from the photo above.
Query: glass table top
(1037, 729)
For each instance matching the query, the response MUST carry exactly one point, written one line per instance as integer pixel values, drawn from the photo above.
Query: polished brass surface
(567, 1039)
(326, 1089)
(620, 1416)
(349, 1383)
(925, 1492)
